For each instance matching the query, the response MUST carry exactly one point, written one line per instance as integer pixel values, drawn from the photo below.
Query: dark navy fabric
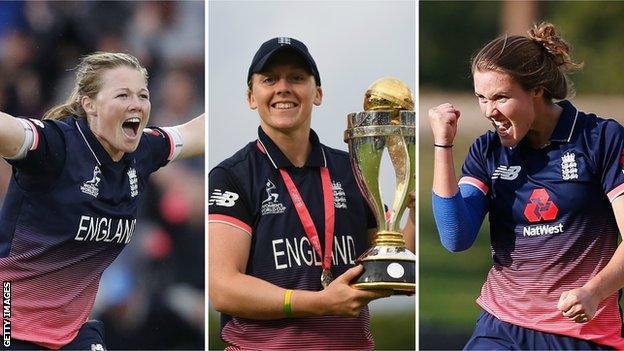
(552, 225)
(265, 205)
(60, 228)
(69, 151)
(280, 251)
(494, 334)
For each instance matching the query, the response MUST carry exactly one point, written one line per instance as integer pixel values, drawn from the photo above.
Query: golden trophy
(388, 122)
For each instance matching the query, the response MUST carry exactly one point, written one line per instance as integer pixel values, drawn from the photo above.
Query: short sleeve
(610, 158)
(161, 147)
(474, 171)
(227, 202)
(44, 160)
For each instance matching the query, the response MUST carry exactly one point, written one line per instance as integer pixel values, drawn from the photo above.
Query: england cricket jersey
(69, 211)
(248, 192)
(551, 223)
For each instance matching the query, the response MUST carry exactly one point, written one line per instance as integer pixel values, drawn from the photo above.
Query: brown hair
(89, 81)
(541, 59)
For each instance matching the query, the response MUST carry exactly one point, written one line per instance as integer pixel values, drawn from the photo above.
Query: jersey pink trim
(35, 143)
(260, 146)
(476, 183)
(219, 218)
(617, 191)
(171, 144)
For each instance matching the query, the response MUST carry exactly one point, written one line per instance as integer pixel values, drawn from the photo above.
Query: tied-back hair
(88, 81)
(541, 59)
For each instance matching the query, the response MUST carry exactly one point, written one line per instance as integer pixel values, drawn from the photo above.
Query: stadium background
(152, 297)
(449, 34)
(353, 43)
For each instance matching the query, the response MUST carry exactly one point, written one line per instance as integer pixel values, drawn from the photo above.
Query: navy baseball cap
(272, 46)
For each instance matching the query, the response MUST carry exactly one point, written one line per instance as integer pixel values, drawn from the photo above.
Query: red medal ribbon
(306, 220)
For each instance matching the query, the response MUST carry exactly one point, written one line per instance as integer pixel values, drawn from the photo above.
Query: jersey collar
(93, 144)
(567, 121)
(279, 160)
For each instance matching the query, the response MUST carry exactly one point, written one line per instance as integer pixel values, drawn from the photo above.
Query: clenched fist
(578, 305)
(443, 120)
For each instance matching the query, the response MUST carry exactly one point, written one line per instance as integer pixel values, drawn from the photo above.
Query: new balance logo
(225, 199)
(283, 40)
(506, 173)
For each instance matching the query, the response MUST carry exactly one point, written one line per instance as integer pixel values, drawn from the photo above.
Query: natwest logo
(540, 207)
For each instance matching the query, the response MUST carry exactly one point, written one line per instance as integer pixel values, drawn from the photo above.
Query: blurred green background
(449, 34)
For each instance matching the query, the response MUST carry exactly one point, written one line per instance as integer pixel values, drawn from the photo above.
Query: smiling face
(504, 102)
(284, 94)
(119, 111)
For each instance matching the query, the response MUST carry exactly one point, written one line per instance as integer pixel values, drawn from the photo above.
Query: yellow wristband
(287, 308)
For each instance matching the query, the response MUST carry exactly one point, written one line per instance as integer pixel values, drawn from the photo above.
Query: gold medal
(326, 278)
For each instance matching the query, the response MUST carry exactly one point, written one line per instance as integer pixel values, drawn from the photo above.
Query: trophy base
(387, 268)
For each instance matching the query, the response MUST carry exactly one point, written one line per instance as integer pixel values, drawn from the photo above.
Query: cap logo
(283, 40)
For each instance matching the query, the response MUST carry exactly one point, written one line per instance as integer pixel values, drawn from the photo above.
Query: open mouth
(130, 127)
(283, 105)
(502, 128)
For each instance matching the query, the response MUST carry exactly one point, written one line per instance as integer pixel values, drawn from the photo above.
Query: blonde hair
(88, 81)
(542, 58)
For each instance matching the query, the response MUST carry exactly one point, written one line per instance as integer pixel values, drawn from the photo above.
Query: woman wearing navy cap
(557, 266)
(287, 222)
(72, 202)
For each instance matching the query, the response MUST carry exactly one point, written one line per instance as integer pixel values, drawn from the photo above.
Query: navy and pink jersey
(69, 211)
(247, 192)
(552, 226)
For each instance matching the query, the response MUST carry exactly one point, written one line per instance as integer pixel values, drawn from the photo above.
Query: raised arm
(458, 214)
(235, 293)
(443, 120)
(11, 135)
(192, 133)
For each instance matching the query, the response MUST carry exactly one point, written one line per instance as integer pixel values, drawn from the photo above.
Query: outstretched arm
(11, 135)
(192, 133)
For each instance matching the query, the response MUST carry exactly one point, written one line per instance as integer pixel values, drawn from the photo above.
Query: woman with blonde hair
(71, 206)
(557, 266)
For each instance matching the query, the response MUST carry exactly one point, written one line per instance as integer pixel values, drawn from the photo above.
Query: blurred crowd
(152, 297)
